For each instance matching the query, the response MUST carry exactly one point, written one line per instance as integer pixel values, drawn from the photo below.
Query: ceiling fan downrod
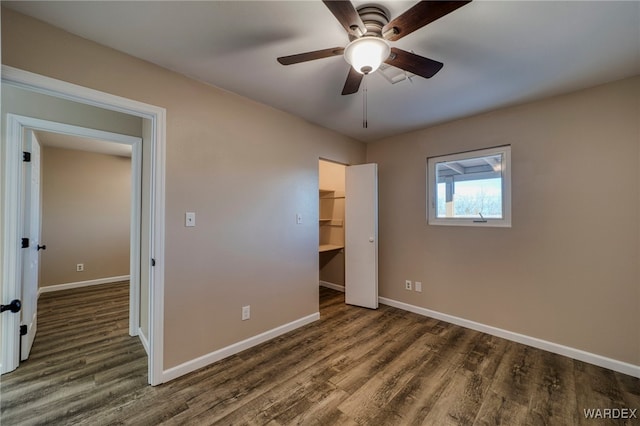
(365, 123)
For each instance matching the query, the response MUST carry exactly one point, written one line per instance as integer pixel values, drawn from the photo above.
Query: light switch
(298, 218)
(190, 219)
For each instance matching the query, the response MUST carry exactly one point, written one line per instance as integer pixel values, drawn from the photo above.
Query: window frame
(432, 189)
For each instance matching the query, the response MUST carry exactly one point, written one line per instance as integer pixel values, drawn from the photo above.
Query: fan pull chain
(365, 124)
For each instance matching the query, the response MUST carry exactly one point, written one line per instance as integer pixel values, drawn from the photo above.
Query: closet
(331, 224)
(348, 231)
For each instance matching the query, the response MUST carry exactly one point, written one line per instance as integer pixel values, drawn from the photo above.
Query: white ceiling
(495, 53)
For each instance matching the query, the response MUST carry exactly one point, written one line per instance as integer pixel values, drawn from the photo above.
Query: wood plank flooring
(353, 367)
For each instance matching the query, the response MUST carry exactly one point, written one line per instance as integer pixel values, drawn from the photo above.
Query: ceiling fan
(370, 32)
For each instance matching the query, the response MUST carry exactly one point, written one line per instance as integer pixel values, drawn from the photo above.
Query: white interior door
(31, 229)
(361, 235)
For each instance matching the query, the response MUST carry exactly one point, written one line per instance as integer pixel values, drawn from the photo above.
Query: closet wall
(331, 214)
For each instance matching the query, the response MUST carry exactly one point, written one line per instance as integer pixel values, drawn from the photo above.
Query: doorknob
(371, 239)
(42, 247)
(14, 306)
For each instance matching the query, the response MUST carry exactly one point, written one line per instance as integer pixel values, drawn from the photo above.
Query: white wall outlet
(418, 287)
(246, 312)
(407, 285)
(80, 267)
(190, 219)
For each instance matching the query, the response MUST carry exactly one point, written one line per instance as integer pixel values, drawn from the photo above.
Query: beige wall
(567, 270)
(86, 215)
(244, 168)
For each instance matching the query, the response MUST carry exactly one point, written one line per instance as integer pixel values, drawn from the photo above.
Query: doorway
(152, 200)
(331, 210)
(83, 194)
(89, 213)
(348, 231)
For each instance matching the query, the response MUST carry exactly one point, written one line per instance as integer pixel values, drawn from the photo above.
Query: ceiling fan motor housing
(369, 50)
(374, 18)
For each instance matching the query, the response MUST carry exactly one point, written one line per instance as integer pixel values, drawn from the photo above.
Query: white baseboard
(332, 285)
(210, 358)
(601, 361)
(67, 286)
(143, 340)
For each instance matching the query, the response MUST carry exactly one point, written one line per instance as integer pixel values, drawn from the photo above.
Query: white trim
(333, 286)
(73, 92)
(591, 358)
(214, 356)
(135, 232)
(70, 129)
(156, 274)
(78, 284)
(143, 340)
(157, 116)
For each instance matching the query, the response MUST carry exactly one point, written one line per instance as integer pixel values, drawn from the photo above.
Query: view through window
(470, 188)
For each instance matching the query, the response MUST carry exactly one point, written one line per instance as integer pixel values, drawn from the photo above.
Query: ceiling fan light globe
(366, 54)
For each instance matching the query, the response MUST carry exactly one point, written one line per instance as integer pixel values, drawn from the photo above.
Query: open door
(31, 230)
(19, 329)
(361, 236)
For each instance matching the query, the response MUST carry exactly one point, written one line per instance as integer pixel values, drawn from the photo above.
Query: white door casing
(24, 282)
(11, 265)
(361, 235)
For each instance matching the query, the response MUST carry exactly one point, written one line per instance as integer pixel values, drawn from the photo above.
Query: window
(470, 188)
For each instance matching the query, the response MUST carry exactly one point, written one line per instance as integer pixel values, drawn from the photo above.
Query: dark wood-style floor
(353, 367)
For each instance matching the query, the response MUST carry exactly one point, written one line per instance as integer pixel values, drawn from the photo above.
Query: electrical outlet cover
(246, 312)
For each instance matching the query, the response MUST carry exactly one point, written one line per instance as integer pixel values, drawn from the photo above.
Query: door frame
(16, 127)
(334, 286)
(155, 216)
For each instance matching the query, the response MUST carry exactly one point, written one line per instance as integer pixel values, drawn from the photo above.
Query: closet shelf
(331, 222)
(329, 247)
(329, 194)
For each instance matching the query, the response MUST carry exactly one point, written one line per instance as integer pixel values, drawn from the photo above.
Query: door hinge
(26, 156)
(25, 242)
(153, 262)
(23, 330)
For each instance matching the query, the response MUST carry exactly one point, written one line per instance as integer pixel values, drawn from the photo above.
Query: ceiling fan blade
(415, 64)
(347, 15)
(418, 16)
(310, 56)
(352, 85)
